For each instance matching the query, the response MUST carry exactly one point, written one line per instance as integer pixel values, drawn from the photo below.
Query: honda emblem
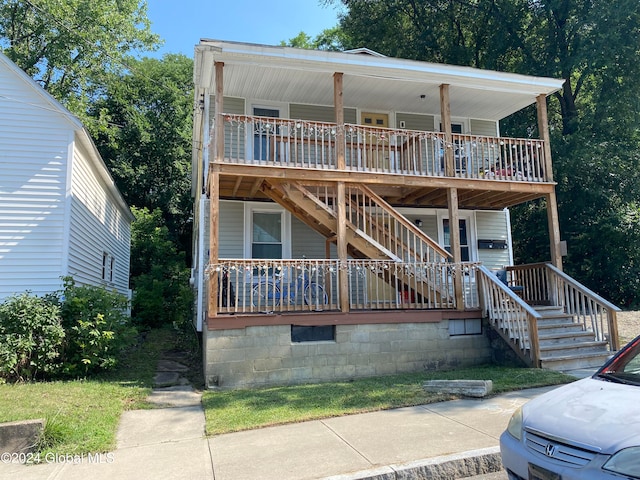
(550, 450)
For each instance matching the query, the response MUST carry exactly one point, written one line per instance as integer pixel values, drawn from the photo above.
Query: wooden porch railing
(250, 286)
(379, 223)
(545, 284)
(258, 140)
(510, 315)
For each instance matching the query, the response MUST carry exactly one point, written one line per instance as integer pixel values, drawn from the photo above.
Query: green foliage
(145, 137)
(31, 338)
(159, 278)
(97, 326)
(69, 45)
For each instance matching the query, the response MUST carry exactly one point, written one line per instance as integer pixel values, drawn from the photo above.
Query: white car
(588, 429)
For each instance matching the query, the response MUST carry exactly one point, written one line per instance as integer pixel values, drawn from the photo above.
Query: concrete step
(572, 362)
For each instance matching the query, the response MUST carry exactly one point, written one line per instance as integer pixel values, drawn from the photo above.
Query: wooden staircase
(574, 327)
(374, 230)
(565, 344)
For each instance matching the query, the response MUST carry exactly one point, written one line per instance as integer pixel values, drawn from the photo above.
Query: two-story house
(351, 219)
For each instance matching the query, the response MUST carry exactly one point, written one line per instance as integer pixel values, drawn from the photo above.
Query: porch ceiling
(283, 74)
(494, 196)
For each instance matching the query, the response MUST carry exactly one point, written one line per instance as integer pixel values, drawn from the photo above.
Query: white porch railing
(282, 142)
(249, 286)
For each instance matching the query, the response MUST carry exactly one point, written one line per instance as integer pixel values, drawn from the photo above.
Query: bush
(97, 325)
(31, 338)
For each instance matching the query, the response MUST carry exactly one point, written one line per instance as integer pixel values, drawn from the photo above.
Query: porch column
(452, 193)
(552, 203)
(445, 119)
(343, 274)
(338, 103)
(214, 189)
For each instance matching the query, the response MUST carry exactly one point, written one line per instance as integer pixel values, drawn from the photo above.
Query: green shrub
(97, 326)
(31, 337)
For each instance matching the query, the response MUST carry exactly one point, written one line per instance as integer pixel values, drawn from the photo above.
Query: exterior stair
(566, 345)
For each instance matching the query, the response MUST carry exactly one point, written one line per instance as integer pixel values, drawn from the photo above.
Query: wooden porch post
(338, 103)
(552, 203)
(452, 193)
(214, 190)
(343, 274)
(445, 114)
(341, 241)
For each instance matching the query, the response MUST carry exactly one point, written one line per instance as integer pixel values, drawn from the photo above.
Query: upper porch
(410, 130)
(404, 166)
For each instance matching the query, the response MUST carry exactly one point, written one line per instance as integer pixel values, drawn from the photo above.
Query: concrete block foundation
(257, 356)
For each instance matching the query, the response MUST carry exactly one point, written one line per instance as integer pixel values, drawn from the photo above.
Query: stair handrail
(571, 307)
(382, 203)
(507, 313)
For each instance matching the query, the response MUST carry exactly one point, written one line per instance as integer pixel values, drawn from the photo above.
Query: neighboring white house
(60, 211)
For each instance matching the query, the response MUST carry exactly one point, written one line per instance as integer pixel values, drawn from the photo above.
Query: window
(266, 235)
(464, 238)
(465, 326)
(324, 333)
(108, 266)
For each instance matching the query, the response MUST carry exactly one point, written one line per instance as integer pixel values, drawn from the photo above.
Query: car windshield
(624, 367)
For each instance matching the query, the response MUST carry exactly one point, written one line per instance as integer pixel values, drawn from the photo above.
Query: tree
(331, 39)
(68, 45)
(159, 277)
(144, 120)
(594, 46)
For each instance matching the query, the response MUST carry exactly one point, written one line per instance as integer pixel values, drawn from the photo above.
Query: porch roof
(285, 74)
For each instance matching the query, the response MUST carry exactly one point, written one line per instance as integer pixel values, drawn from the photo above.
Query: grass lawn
(82, 415)
(234, 410)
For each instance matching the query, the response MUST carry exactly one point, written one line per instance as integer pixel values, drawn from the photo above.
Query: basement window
(465, 326)
(323, 333)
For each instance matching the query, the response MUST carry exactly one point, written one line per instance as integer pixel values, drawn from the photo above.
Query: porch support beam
(214, 190)
(343, 275)
(338, 102)
(552, 203)
(454, 239)
(543, 129)
(554, 230)
(445, 113)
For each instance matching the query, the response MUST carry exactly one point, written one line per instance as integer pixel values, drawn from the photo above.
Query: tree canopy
(68, 45)
(594, 45)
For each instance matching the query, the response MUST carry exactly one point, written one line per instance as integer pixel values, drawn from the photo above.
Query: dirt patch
(628, 326)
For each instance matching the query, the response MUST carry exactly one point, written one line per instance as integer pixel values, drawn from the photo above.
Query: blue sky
(183, 23)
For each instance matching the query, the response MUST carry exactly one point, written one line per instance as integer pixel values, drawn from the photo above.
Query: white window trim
(249, 208)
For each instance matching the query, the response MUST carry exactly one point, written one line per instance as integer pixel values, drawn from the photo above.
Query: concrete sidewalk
(451, 439)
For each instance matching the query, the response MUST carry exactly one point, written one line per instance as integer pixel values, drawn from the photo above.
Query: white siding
(231, 233)
(97, 226)
(34, 144)
(493, 226)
